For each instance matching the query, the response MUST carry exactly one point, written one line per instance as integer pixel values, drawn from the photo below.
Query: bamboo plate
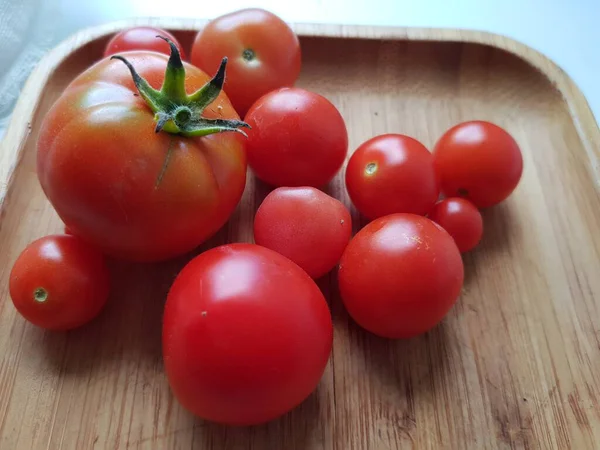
(515, 365)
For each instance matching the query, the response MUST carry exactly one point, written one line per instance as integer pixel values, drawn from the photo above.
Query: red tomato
(400, 275)
(142, 38)
(389, 174)
(263, 51)
(306, 225)
(59, 282)
(115, 182)
(461, 219)
(246, 335)
(298, 138)
(478, 161)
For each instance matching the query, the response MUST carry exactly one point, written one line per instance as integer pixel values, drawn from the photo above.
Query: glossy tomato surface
(246, 335)
(306, 225)
(134, 193)
(59, 282)
(461, 219)
(478, 161)
(141, 38)
(392, 173)
(263, 52)
(400, 275)
(298, 138)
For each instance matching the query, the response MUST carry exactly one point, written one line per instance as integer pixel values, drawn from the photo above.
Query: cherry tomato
(400, 275)
(59, 282)
(391, 173)
(263, 52)
(246, 335)
(297, 138)
(306, 225)
(461, 219)
(142, 38)
(134, 193)
(478, 161)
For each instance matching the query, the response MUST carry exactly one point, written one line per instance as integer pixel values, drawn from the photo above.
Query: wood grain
(515, 365)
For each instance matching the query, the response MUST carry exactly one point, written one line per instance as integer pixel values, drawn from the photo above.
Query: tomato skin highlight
(99, 161)
(298, 138)
(263, 51)
(246, 335)
(479, 161)
(400, 275)
(141, 38)
(305, 225)
(59, 282)
(461, 219)
(392, 173)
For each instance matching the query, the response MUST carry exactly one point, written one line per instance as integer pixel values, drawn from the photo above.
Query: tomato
(135, 193)
(306, 225)
(246, 335)
(59, 282)
(461, 219)
(263, 51)
(400, 275)
(478, 161)
(297, 138)
(389, 174)
(141, 38)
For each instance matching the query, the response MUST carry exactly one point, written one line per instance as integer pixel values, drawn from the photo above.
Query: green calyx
(174, 110)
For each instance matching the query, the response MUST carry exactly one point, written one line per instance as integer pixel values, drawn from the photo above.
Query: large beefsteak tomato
(143, 171)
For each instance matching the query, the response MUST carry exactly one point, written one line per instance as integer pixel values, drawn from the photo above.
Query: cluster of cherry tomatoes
(144, 159)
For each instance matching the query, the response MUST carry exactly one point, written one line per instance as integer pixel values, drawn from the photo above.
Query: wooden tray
(515, 365)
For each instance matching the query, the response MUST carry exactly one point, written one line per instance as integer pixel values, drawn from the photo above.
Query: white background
(567, 31)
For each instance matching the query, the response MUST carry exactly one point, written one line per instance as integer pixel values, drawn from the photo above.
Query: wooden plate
(515, 365)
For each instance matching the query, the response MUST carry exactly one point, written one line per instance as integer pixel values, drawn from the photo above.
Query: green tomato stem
(176, 112)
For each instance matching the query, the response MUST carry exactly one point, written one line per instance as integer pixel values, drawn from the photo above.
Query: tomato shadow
(299, 429)
(395, 374)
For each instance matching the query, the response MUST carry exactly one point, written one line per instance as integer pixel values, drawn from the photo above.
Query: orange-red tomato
(400, 275)
(141, 38)
(392, 173)
(478, 161)
(246, 335)
(461, 219)
(263, 52)
(306, 225)
(115, 182)
(59, 282)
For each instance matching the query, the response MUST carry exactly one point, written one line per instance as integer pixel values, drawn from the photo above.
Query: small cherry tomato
(461, 219)
(400, 275)
(59, 282)
(478, 161)
(246, 335)
(389, 174)
(306, 225)
(263, 52)
(141, 38)
(297, 138)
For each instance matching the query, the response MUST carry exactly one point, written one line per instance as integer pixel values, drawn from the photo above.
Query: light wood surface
(516, 365)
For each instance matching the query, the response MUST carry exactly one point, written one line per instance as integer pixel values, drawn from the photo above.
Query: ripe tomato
(263, 51)
(141, 38)
(246, 335)
(389, 174)
(478, 161)
(59, 282)
(461, 219)
(400, 275)
(306, 225)
(135, 193)
(298, 138)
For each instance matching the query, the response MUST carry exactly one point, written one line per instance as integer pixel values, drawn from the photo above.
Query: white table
(567, 31)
